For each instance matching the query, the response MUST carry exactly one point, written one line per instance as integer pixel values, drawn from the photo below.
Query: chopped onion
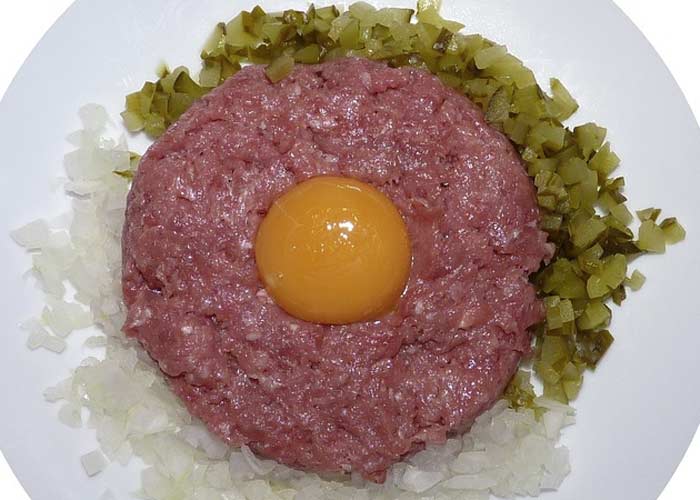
(33, 235)
(418, 481)
(107, 495)
(94, 462)
(54, 344)
(69, 414)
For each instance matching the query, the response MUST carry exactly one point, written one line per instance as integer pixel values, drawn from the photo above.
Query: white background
(671, 26)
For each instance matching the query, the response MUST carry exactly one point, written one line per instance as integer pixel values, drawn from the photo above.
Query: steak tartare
(354, 397)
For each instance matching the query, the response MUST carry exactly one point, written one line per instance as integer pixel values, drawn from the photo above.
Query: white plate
(636, 413)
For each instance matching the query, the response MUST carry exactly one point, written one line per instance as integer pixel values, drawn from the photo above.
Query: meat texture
(333, 398)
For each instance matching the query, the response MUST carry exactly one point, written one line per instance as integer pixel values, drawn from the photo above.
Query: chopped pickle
(154, 125)
(210, 76)
(308, 55)
(596, 315)
(545, 135)
(590, 138)
(593, 346)
(488, 56)
(134, 122)
(520, 392)
(126, 174)
(618, 295)
(596, 287)
(604, 161)
(563, 280)
(430, 15)
(651, 214)
(589, 260)
(651, 237)
(673, 231)
(428, 4)
(587, 232)
(583, 209)
(613, 270)
(280, 68)
(635, 281)
(563, 105)
(622, 214)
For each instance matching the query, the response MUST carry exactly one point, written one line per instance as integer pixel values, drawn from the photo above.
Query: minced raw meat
(355, 397)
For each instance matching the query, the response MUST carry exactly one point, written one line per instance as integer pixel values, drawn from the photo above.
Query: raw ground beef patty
(333, 398)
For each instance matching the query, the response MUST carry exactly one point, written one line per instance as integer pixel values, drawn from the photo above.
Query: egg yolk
(334, 250)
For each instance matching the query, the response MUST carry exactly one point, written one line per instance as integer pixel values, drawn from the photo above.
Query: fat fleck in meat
(333, 398)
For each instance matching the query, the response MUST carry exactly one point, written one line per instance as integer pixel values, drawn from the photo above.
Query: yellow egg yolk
(334, 250)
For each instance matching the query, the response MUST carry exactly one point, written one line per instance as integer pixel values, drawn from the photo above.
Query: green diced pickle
(429, 4)
(528, 101)
(673, 231)
(276, 32)
(327, 13)
(596, 315)
(350, 36)
(160, 104)
(619, 295)
(488, 56)
(588, 232)
(237, 36)
(547, 135)
(582, 209)
(570, 372)
(280, 68)
(134, 122)
(589, 260)
(185, 85)
(596, 287)
(540, 164)
(590, 138)
(308, 55)
(154, 125)
(618, 228)
(210, 76)
(621, 213)
(450, 62)
(613, 270)
(635, 281)
(293, 17)
(133, 103)
(216, 40)
(651, 214)
(604, 161)
(520, 392)
(564, 104)
(551, 222)
(593, 346)
(430, 16)
(556, 392)
(554, 349)
(167, 82)
(361, 10)
(321, 26)
(179, 103)
(449, 79)
(572, 388)
(651, 237)
(560, 277)
(573, 171)
(443, 41)
(499, 106)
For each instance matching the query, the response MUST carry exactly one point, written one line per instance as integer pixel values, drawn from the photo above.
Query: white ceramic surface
(637, 413)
